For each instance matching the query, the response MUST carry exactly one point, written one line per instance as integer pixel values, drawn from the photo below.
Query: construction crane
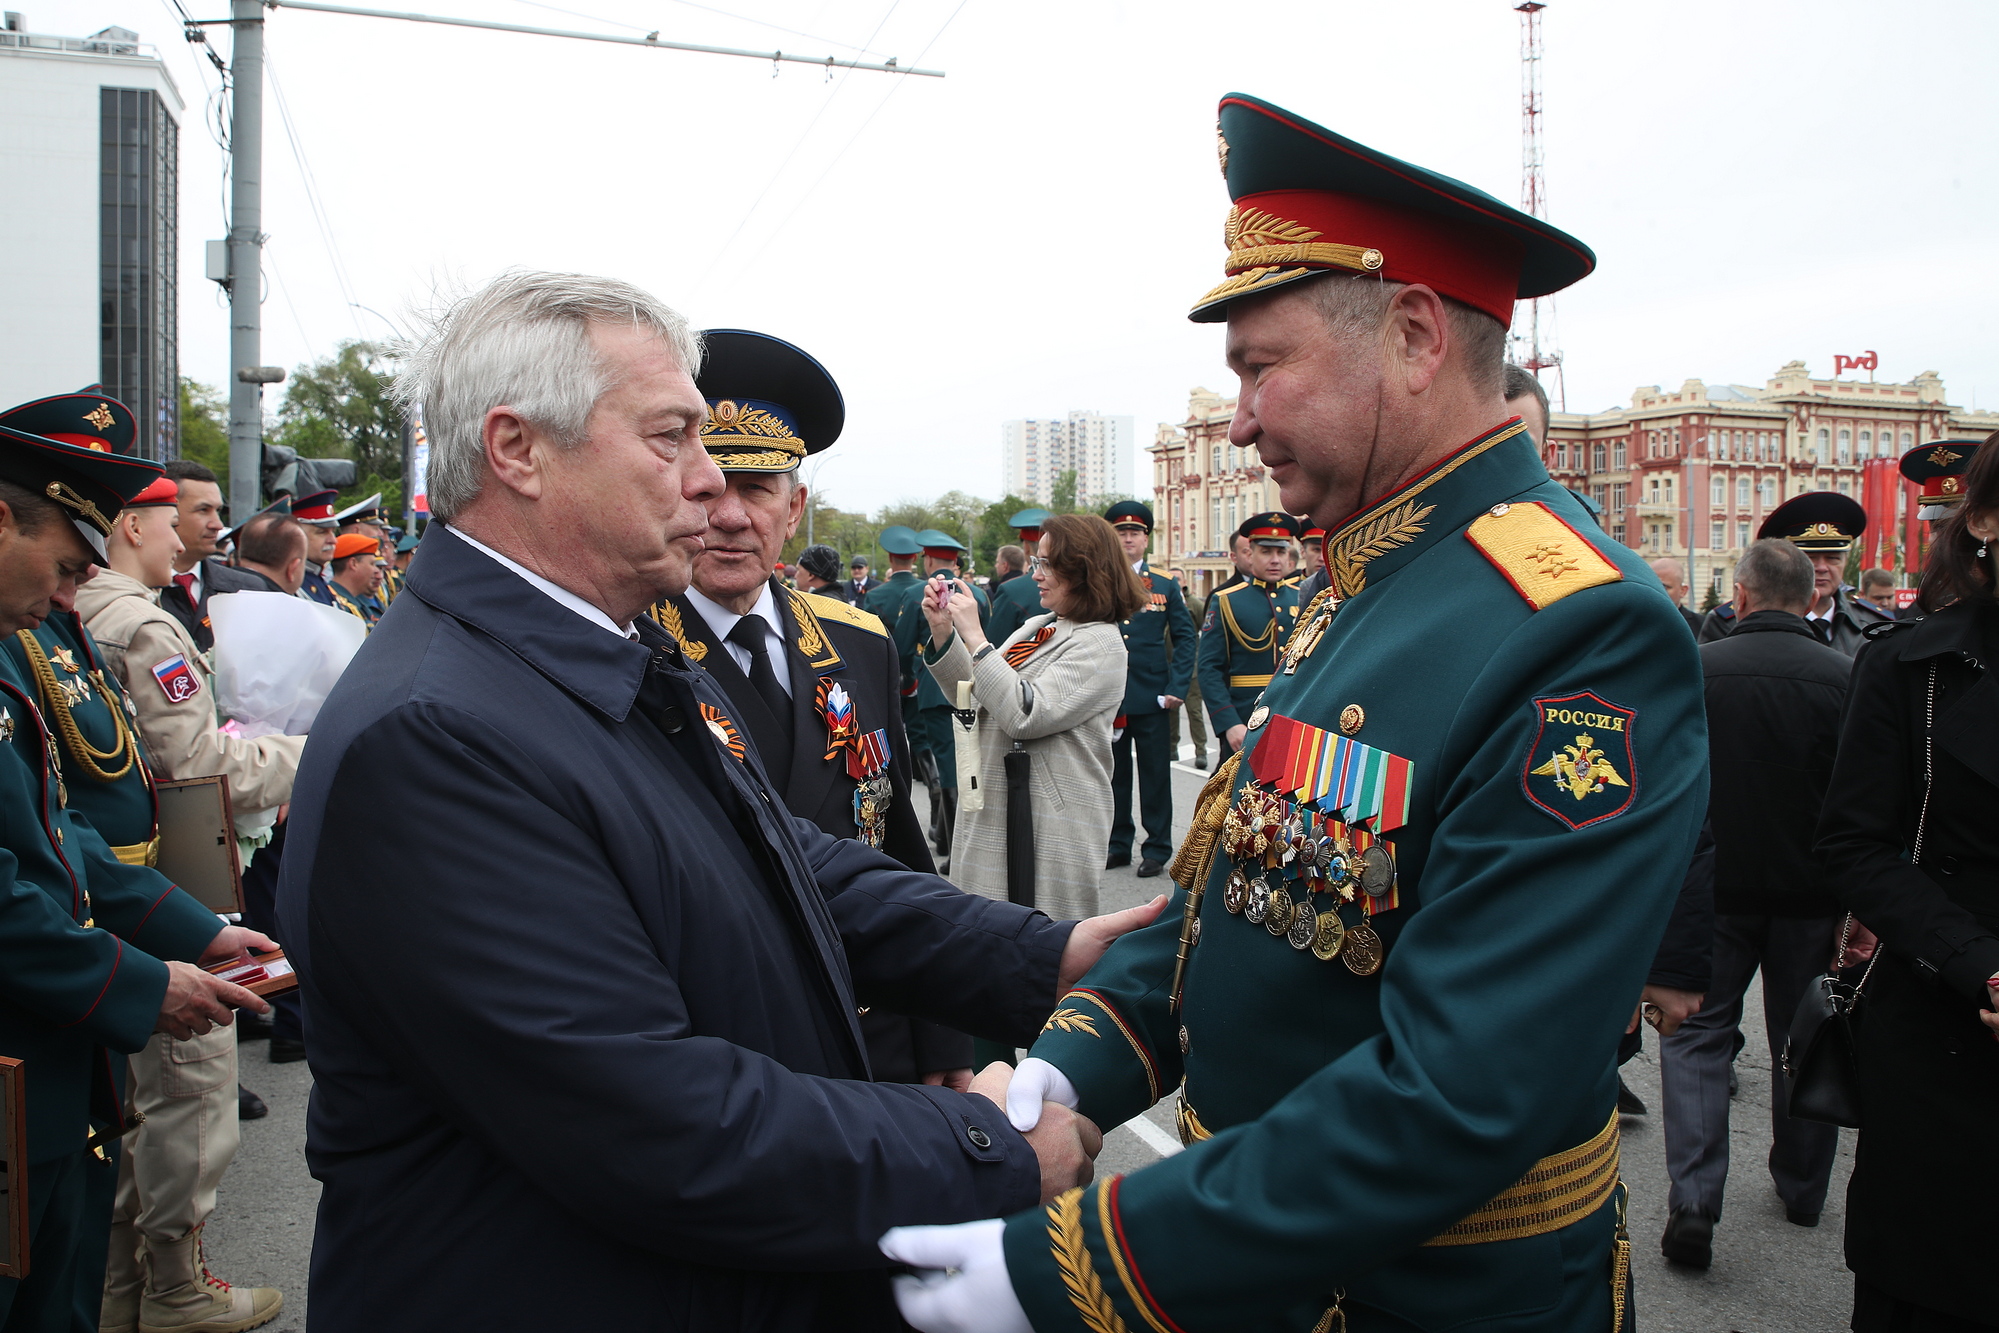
(1528, 349)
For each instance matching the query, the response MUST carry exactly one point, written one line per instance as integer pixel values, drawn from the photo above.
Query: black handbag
(1821, 1052)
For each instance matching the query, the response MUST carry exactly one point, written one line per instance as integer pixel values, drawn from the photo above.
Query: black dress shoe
(1797, 1217)
(1201, 762)
(286, 1050)
(1689, 1238)
(249, 1106)
(1116, 859)
(1628, 1102)
(1734, 1081)
(1150, 869)
(252, 1027)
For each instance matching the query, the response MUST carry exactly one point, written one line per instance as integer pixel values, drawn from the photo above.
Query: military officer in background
(357, 576)
(813, 679)
(884, 599)
(1247, 626)
(1824, 525)
(369, 519)
(1418, 910)
(322, 532)
(1018, 600)
(859, 585)
(86, 941)
(941, 554)
(1160, 646)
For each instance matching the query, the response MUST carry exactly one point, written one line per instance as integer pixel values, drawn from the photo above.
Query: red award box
(264, 974)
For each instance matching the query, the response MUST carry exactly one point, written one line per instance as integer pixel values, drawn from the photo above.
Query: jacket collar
(1968, 629)
(1784, 622)
(1386, 534)
(107, 587)
(590, 662)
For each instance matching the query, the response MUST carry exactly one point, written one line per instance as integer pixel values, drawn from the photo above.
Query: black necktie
(751, 636)
(1822, 628)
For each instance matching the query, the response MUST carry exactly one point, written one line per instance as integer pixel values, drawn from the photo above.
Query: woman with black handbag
(1910, 833)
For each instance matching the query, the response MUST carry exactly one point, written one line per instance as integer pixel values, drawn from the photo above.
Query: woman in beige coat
(1054, 690)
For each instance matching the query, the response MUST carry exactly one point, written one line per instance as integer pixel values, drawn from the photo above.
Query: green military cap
(1275, 527)
(899, 540)
(939, 544)
(1817, 521)
(1129, 514)
(87, 480)
(405, 545)
(1308, 201)
(769, 403)
(1029, 522)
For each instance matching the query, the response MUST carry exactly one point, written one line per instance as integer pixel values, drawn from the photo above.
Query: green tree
(994, 531)
(1062, 498)
(204, 428)
(339, 407)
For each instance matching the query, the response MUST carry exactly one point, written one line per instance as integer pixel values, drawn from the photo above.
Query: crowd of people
(643, 996)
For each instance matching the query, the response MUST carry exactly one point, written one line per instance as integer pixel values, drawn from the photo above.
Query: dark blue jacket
(581, 1006)
(1156, 667)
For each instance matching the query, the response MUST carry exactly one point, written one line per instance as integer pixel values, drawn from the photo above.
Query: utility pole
(246, 250)
(1534, 193)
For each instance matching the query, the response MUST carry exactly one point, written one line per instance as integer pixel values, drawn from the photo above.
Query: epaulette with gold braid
(1541, 556)
(832, 608)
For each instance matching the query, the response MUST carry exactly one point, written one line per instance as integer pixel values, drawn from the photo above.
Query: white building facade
(1097, 448)
(89, 218)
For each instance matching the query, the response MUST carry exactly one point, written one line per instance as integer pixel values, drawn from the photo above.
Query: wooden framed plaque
(13, 1168)
(198, 842)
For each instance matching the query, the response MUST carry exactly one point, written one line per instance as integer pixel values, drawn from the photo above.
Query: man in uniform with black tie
(814, 680)
(1160, 645)
(1824, 525)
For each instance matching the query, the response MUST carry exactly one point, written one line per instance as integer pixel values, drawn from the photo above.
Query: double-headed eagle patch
(1579, 768)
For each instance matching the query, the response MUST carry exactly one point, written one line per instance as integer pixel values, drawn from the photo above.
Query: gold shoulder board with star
(832, 608)
(1541, 556)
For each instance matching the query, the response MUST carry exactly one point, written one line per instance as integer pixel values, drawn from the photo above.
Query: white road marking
(1153, 1136)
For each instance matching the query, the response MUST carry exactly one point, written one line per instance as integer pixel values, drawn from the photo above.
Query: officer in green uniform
(941, 554)
(352, 569)
(1159, 647)
(84, 934)
(1246, 626)
(1018, 600)
(884, 602)
(1418, 910)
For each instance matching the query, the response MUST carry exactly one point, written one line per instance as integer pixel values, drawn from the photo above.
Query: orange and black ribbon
(1017, 654)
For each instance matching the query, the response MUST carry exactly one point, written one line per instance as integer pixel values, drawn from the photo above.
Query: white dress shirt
(555, 591)
(721, 620)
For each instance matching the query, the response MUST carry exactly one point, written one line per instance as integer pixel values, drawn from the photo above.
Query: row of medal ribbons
(1295, 867)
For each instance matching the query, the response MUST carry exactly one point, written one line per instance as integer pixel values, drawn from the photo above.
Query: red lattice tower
(1529, 350)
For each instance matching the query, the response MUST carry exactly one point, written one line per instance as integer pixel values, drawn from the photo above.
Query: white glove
(1035, 1082)
(966, 1288)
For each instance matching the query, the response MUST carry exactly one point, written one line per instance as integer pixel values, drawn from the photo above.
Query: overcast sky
(1761, 181)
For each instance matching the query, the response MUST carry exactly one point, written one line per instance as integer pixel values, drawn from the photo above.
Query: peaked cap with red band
(89, 482)
(316, 508)
(1276, 526)
(1309, 201)
(86, 419)
(1939, 467)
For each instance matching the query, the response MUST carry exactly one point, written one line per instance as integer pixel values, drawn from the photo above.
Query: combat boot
(182, 1296)
(123, 1282)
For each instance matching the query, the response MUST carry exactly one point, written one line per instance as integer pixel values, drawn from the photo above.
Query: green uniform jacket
(912, 632)
(885, 599)
(364, 609)
(1015, 602)
(68, 990)
(1155, 667)
(1245, 629)
(124, 811)
(1354, 1117)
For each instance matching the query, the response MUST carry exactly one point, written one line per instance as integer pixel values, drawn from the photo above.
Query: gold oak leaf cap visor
(769, 403)
(1308, 201)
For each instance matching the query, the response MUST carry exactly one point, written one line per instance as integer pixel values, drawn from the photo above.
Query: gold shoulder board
(832, 608)
(1541, 556)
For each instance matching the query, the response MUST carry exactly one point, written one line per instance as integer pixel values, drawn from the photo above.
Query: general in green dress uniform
(1246, 626)
(84, 932)
(1417, 911)
(1159, 648)
(1018, 600)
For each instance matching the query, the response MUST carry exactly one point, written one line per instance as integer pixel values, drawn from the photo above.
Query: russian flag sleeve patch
(177, 679)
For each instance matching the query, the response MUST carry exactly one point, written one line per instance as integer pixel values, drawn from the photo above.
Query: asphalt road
(1768, 1276)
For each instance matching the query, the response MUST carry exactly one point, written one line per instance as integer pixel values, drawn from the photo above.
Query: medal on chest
(1308, 838)
(866, 754)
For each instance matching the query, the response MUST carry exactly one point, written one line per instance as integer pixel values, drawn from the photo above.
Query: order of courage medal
(1329, 935)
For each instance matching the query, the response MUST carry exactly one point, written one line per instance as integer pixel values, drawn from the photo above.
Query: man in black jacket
(1774, 695)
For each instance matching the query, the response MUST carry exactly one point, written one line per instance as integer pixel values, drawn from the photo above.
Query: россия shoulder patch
(1580, 767)
(1541, 556)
